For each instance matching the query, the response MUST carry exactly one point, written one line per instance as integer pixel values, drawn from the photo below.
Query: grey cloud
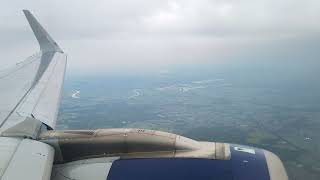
(158, 32)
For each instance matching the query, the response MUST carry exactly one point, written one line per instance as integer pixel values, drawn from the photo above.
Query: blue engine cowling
(246, 163)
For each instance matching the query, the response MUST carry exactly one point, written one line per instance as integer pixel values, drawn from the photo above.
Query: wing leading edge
(31, 91)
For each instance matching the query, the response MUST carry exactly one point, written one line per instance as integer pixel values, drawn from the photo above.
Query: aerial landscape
(218, 104)
(240, 72)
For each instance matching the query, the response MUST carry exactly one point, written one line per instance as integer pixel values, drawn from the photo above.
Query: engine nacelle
(114, 154)
(128, 143)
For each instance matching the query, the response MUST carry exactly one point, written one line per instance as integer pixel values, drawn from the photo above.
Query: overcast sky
(110, 34)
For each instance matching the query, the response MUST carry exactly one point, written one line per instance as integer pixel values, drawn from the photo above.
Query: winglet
(45, 41)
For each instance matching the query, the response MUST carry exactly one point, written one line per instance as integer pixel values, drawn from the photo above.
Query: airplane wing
(30, 94)
(30, 91)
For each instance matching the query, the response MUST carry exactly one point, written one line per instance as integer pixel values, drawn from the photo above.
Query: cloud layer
(112, 33)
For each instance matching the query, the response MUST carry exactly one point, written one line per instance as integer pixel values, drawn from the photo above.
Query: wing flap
(47, 106)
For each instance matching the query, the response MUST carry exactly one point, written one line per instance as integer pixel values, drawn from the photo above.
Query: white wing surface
(30, 95)
(30, 92)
